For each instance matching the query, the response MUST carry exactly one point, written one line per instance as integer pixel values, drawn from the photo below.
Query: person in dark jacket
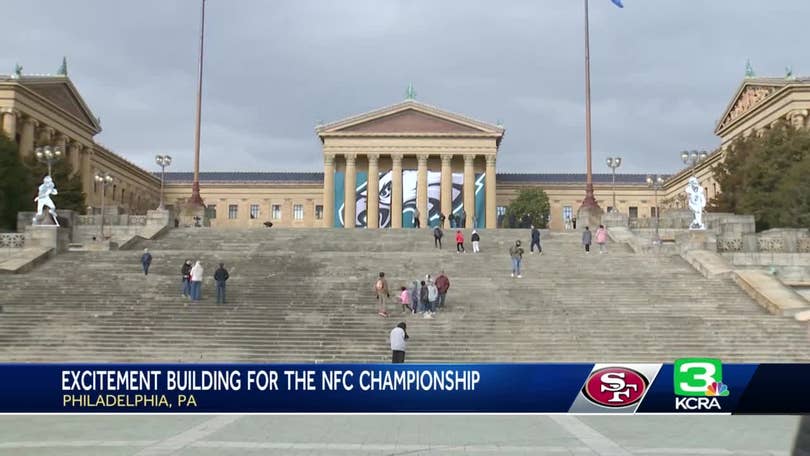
(424, 303)
(475, 238)
(586, 239)
(220, 277)
(443, 284)
(146, 260)
(185, 273)
(437, 237)
(536, 241)
(416, 217)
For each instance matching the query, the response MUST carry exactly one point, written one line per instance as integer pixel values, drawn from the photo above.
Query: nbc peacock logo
(717, 389)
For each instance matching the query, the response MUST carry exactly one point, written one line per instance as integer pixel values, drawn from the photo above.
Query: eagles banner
(408, 198)
(690, 385)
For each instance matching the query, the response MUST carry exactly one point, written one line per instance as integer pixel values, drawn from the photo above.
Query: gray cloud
(662, 71)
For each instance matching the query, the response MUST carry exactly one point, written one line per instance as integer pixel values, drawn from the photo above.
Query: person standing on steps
(415, 291)
(416, 217)
(437, 237)
(475, 240)
(381, 289)
(442, 284)
(433, 298)
(601, 238)
(586, 239)
(462, 219)
(146, 261)
(399, 343)
(221, 276)
(196, 281)
(535, 241)
(423, 299)
(459, 242)
(516, 252)
(185, 271)
(405, 299)
(442, 218)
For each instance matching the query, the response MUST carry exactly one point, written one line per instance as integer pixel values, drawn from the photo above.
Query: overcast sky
(662, 72)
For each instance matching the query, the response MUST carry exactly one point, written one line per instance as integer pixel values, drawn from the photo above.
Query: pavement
(225, 435)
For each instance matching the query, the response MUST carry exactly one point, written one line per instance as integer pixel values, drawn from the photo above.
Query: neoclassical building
(425, 159)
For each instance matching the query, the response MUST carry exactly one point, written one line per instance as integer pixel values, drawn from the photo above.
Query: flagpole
(589, 201)
(195, 186)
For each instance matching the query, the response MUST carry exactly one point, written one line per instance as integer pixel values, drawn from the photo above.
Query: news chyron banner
(692, 385)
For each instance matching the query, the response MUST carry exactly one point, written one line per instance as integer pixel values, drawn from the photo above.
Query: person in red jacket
(459, 241)
(443, 284)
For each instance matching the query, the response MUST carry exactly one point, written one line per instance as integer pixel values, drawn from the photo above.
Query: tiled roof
(550, 178)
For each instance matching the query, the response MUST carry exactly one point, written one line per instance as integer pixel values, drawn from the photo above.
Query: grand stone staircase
(306, 295)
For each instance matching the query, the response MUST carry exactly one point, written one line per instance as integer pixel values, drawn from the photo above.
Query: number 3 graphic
(706, 376)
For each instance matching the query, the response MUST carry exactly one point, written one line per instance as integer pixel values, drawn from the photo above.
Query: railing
(111, 220)
(12, 240)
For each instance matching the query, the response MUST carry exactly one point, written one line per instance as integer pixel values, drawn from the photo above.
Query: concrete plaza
(395, 435)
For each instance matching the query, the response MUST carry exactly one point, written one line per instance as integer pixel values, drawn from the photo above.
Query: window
(254, 211)
(714, 188)
(298, 211)
(115, 187)
(568, 213)
(276, 212)
(233, 211)
(95, 188)
(653, 210)
(318, 212)
(633, 212)
(212, 211)
(609, 209)
(500, 210)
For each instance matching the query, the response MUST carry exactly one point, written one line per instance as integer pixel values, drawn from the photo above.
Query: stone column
(350, 187)
(74, 149)
(447, 189)
(87, 176)
(396, 191)
(469, 189)
(489, 189)
(422, 189)
(373, 192)
(29, 126)
(328, 191)
(60, 142)
(46, 135)
(10, 123)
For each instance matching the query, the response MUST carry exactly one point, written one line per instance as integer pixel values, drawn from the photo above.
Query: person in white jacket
(196, 281)
(398, 343)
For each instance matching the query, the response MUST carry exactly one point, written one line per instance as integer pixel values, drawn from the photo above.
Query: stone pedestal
(696, 240)
(192, 215)
(48, 237)
(590, 217)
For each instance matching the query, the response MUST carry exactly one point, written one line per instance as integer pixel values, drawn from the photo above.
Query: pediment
(747, 98)
(63, 95)
(410, 121)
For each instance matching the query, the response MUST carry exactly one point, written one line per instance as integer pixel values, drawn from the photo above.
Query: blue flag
(618, 3)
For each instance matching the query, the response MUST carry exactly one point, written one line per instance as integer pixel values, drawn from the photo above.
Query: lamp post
(48, 156)
(613, 163)
(655, 183)
(163, 161)
(693, 158)
(104, 179)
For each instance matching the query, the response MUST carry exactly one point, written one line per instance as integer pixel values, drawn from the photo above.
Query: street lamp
(693, 158)
(48, 155)
(104, 179)
(163, 161)
(613, 163)
(655, 183)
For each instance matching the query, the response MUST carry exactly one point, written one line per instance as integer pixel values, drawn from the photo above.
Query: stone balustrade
(12, 240)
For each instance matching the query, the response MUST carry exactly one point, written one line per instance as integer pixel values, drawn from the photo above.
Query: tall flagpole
(589, 201)
(195, 199)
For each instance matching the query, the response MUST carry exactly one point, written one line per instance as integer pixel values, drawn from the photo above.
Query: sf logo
(615, 387)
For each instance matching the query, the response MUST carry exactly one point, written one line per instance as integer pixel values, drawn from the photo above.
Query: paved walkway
(395, 435)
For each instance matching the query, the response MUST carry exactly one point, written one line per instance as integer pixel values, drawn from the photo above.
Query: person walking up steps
(415, 291)
(381, 289)
(423, 300)
(459, 242)
(416, 217)
(443, 284)
(535, 241)
(516, 252)
(220, 277)
(196, 281)
(405, 299)
(399, 343)
(433, 299)
(185, 272)
(475, 240)
(437, 237)
(146, 261)
(586, 239)
(601, 238)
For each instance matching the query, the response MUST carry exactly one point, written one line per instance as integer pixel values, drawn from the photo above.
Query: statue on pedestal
(696, 198)
(43, 199)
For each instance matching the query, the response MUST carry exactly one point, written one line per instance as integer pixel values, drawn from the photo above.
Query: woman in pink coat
(601, 238)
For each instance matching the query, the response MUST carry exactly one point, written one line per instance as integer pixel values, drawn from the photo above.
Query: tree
(71, 195)
(532, 201)
(16, 187)
(767, 176)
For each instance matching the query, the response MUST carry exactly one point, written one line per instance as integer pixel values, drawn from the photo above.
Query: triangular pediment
(61, 92)
(409, 117)
(748, 96)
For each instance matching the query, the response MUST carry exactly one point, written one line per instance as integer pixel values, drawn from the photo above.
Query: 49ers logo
(615, 387)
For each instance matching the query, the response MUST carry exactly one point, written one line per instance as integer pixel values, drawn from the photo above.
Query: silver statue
(44, 199)
(697, 201)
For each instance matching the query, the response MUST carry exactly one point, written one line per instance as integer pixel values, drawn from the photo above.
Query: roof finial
(410, 94)
(749, 70)
(62, 71)
(17, 71)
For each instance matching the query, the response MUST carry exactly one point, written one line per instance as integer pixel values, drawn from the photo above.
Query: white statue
(44, 199)
(697, 201)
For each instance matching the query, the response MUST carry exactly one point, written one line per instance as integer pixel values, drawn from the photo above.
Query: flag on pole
(618, 3)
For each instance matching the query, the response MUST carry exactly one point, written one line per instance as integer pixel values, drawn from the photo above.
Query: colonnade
(373, 200)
